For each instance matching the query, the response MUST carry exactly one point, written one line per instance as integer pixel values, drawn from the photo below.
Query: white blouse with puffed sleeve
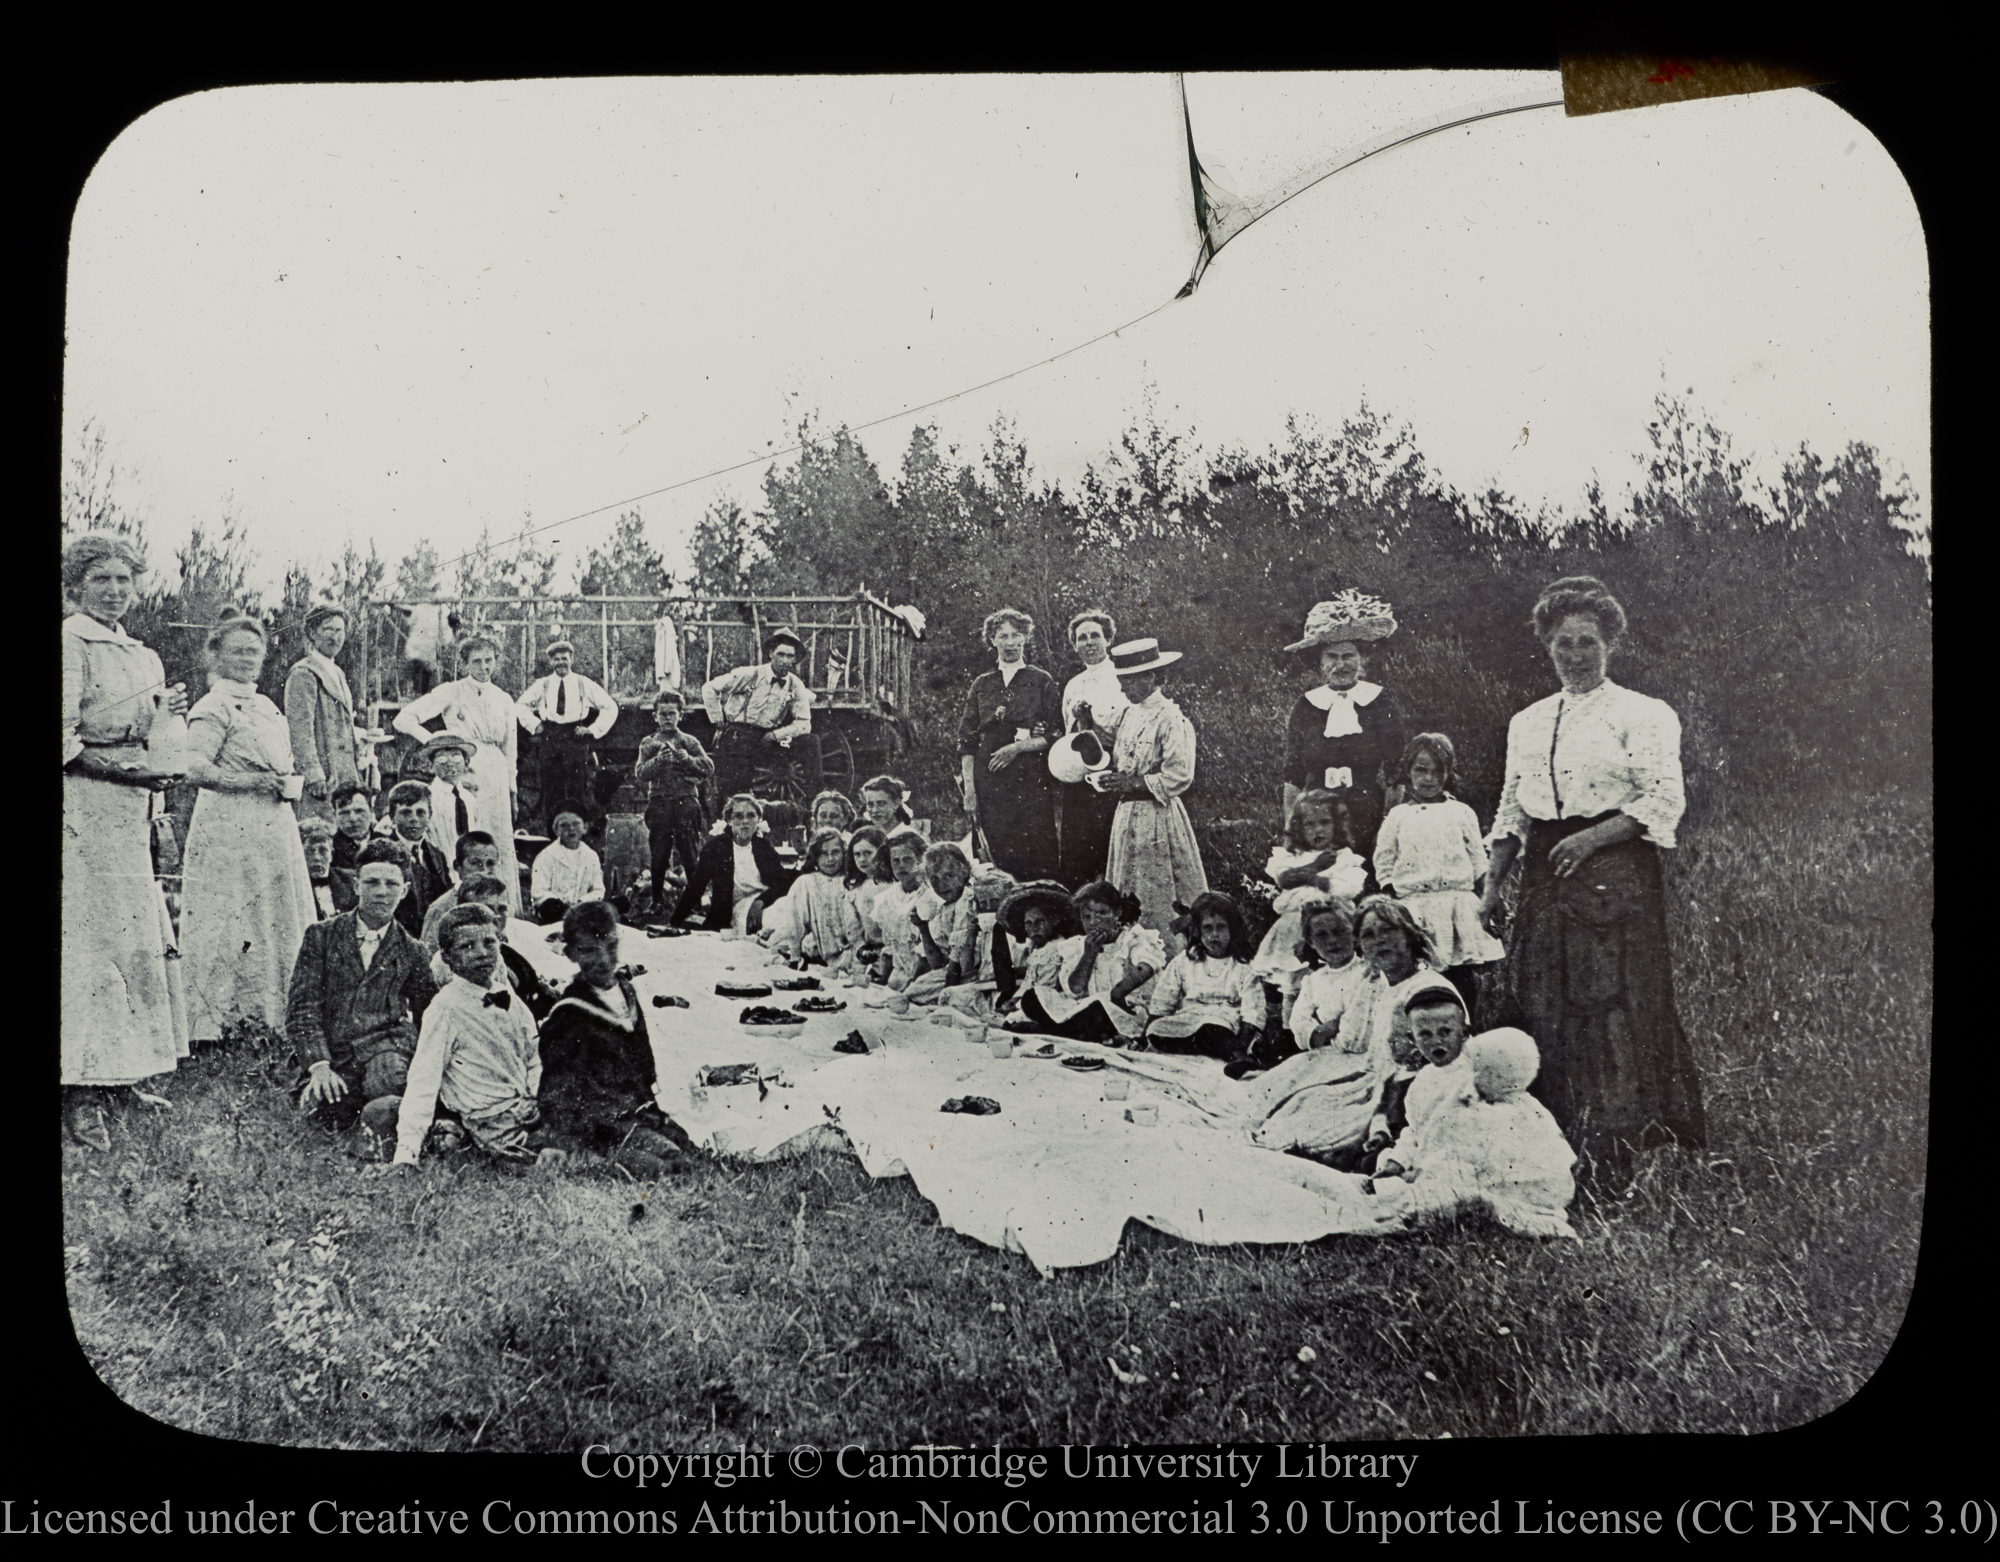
(1574, 756)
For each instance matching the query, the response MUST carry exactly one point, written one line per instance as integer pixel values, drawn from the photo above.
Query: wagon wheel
(784, 777)
(839, 767)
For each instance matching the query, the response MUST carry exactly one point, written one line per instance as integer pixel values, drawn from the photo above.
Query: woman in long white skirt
(1153, 851)
(474, 707)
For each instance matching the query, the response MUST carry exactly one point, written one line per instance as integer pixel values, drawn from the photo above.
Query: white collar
(88, 628)
(1007, 671)
(1363, 693)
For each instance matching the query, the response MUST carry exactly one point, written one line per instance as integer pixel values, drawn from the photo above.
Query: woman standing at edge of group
(1010, 713)
(1153, 854)
(319, 706)
(475, 708)
(123, 1018)
(1347, 734)
(1592, 795)
(246, 894)
(1093, 702)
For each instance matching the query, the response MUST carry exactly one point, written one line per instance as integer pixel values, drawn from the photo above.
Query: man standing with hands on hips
(569, 713)
(759, 714)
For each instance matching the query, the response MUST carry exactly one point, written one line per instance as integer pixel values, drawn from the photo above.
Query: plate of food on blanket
(771, 1022)
(1082, 1064)
(818, 1005)
(797, 984)
(742, 989)
(1048, 1050)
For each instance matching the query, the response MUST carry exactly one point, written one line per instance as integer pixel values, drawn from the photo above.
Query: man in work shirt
(759, 714)
(569, 713)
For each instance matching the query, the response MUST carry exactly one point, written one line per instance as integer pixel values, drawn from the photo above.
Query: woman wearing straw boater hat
(1346, 734)
(1153, 851)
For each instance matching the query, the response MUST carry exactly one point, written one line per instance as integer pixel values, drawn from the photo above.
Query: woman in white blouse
(1093, 702)
(1592, 795)
(473, 707)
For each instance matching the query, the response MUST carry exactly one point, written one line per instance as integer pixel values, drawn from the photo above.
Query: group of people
(1077, 905)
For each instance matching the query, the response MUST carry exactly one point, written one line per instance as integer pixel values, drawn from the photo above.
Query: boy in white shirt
(476, 1052)
(567, 872)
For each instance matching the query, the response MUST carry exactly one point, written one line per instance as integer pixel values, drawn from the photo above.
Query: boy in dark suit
(359, 987)
(430, 876)
(597, 1058)
(333, 888)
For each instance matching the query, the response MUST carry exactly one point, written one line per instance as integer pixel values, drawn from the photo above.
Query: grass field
(232, 1272)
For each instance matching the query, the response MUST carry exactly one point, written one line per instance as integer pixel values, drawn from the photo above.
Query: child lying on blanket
(1476, 1135)
(1207, 1001)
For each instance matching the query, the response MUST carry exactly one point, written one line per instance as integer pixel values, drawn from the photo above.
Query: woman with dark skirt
(1592, 796)
(1010, 715)
(1092, 702)
(1346, 734)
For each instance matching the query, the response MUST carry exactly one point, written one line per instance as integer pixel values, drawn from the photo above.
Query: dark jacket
(597, 1073)
(430, 877)
(716, 870)
(339, 1013)
(345, 897)
(535, 990)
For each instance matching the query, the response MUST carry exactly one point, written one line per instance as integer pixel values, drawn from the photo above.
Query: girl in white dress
(1206, 1001)
(823, 925)
(866, 877)
(1102, 973)
(1314, 860)
(1429, 851)
(473, 707)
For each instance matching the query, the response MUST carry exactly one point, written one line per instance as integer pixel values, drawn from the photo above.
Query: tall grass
(232, 1272)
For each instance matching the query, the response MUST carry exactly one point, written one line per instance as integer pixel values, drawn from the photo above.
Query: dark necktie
(498, 1001)
(560, 690)
(464, 819)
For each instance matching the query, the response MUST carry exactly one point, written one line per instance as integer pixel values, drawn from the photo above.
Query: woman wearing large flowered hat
(1345, 734)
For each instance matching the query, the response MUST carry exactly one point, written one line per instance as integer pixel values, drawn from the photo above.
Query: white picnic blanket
(1054, 1175)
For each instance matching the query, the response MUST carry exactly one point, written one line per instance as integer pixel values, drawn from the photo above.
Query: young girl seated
(943, 923)
(1475, 1133)
(975, 954)
(822, 927)
(1430, 852)
(1331, 975)
(902, 958)
(1312, 863)
(1102, 972)
(1027, 951)
(1206, 1001)
(866, 877)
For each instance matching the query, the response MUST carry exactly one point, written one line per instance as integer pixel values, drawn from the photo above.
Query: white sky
(391, 312)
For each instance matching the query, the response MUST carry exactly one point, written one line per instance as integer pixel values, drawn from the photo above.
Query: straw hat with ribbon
(1140, 656)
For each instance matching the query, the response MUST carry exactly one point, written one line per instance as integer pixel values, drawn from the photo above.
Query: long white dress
(1154, 854)
(1277, 960)
(123, 1015)
(1431, 854)
(483, 713)
(1192, 993)
(1135, 945)
(246, 897)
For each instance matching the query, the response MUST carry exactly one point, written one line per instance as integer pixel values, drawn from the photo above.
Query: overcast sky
(391, 312)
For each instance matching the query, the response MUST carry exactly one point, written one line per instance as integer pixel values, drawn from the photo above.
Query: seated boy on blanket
(476, 1054)
(359, 987)
(597, 1058)
(513, 972)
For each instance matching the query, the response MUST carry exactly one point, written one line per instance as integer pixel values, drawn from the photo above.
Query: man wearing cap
(759, 713)
(569, 713)
(319, 709)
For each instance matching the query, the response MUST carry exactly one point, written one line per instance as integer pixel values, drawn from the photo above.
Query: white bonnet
(1504, 1062)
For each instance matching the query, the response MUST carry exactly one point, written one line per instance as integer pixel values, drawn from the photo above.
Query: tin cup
(294, 787)
(999, 1042)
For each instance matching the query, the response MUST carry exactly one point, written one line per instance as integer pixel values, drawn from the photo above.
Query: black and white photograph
(990, 763)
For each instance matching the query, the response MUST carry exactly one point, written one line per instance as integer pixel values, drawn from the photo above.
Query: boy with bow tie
(477, 1052)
